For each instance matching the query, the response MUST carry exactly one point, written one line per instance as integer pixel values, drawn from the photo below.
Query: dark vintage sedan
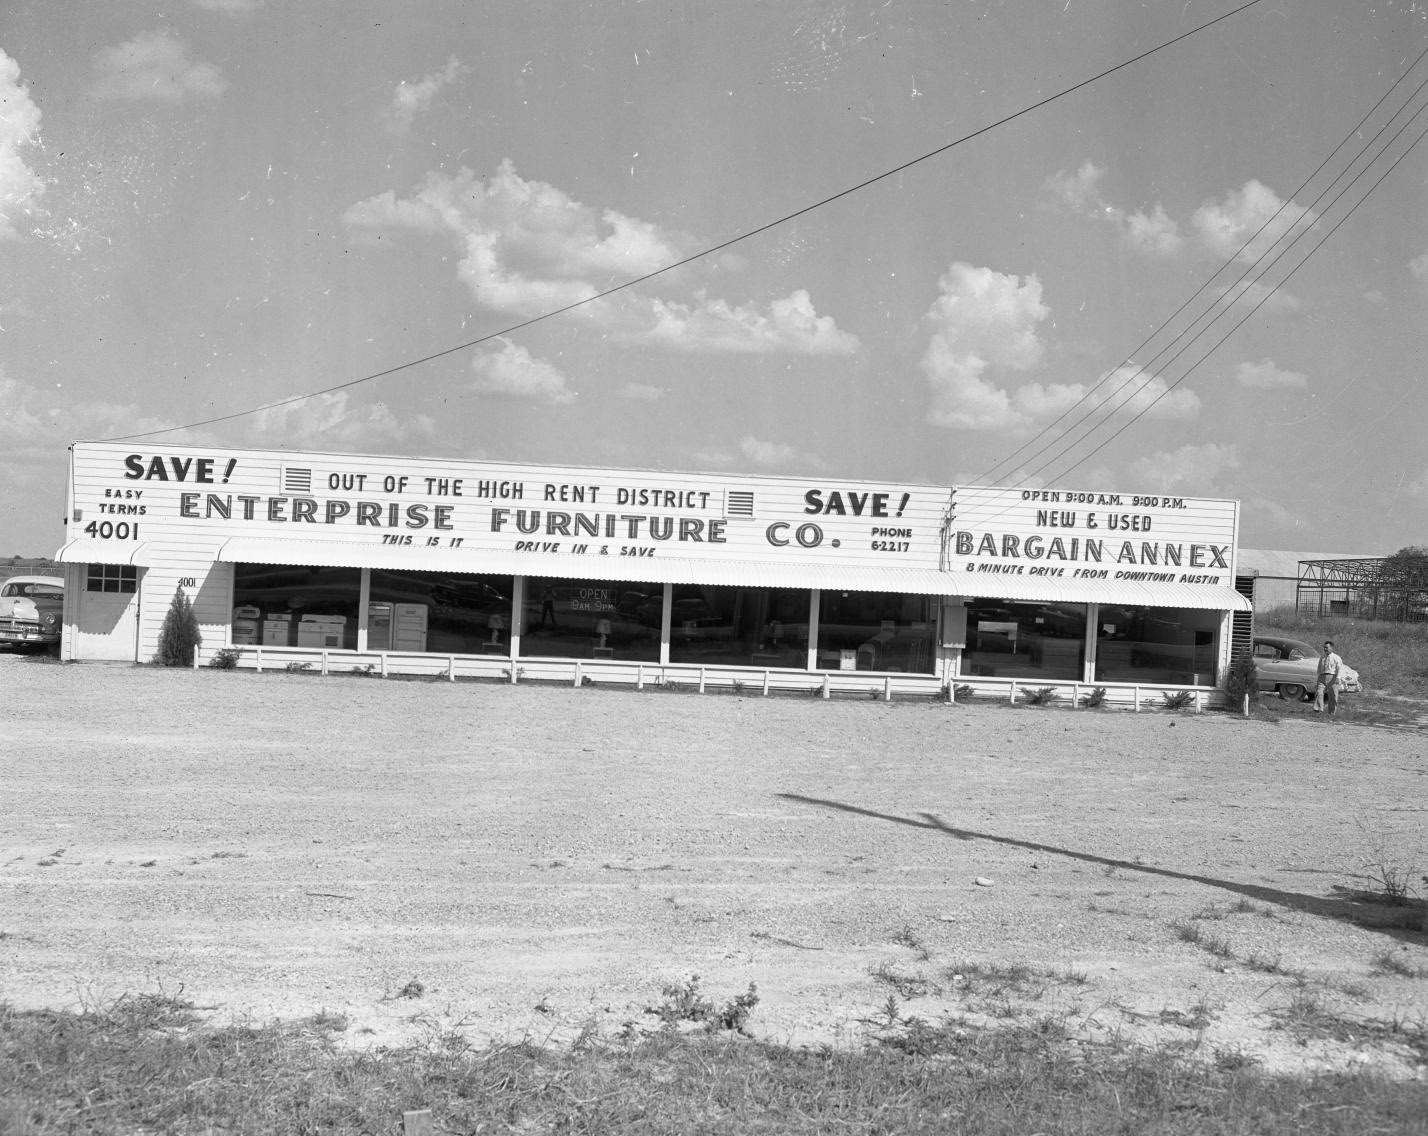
(31, 611)
(1291, 667)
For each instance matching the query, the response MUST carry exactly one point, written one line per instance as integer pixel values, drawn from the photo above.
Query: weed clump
(684, 1002)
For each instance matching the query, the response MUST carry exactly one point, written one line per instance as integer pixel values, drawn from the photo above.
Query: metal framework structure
(1363, 589)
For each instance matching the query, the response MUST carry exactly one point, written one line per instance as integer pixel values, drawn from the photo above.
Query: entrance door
(107, 625)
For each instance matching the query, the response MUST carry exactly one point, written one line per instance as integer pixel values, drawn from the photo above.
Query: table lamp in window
(602, 629)
(497, 624)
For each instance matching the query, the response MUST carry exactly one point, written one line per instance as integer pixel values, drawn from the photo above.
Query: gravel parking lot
(509, 861)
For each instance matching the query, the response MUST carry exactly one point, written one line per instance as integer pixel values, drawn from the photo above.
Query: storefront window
(111, 578)
(1018, 640)
(1157, 644)
(441, 612)
(877, 631)
(283, 605)
(749, 627)
(591, 619)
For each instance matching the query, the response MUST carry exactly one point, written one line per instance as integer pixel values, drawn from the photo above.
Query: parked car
(1291, 667)
(31, 611)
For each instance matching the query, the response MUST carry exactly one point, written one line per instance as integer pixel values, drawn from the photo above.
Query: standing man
(1327, 692)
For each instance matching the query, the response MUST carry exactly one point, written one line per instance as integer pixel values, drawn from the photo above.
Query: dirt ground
(420, 857)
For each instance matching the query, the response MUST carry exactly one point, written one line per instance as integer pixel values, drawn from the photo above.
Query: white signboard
(459, 510)
(1073, 535)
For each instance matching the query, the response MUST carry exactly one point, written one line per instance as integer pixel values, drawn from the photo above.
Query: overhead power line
(706, 252)
(1262, 301)
(990, 475)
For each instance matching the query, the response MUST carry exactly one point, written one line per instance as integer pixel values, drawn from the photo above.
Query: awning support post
(701, 680)
(887, 689)
(451, 667)
(258, 659)
(577, 673)
(1137, 699)
(324, 661)
(1012, 699)
(826, 692)
(640, 677)
(766, 683)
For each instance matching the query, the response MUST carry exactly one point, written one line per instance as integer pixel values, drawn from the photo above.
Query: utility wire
(1165, 324)
(635, 281)
(1229, 303)
(1265, 299)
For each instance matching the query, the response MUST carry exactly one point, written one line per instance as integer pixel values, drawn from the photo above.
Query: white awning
(748, 573)
(87, 551)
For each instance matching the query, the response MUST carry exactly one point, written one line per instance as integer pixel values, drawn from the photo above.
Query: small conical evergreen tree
(179, 637)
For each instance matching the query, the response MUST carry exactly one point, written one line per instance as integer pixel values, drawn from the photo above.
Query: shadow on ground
(1406, 921)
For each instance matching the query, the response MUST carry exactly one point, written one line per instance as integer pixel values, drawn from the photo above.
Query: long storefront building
(399, 565)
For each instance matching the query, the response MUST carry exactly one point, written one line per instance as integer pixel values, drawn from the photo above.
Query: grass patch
(117, 1072)
(1391, 657)
(1191, 932)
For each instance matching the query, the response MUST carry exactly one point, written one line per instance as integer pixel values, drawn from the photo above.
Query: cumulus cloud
(983, 319)
(791, 325)
(512, 371)
(1230, 227)
(1153, 232)
(332, 419)
(528, 248)
(986, 320)
(20, 186)
(1190, 468)
(1079, 193)
(155, 66)
(1272, 512)
(40, 420)
(411, 99)
(777, 455)
(1265, 375)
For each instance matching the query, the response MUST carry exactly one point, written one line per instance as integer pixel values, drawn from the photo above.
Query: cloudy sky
(1202, 273)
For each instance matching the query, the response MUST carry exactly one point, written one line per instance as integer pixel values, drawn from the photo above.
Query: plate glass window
(111, 578)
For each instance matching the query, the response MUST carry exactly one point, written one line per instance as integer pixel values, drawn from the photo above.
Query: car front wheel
(1292, 692)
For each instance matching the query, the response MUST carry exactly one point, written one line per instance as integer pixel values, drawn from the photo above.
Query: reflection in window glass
(1157, 644)
(293, 606)
(1018, 640)
(442, 612)
(759, 627)
(585, 619)
(877, 631)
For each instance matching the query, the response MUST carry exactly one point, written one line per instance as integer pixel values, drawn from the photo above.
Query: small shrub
(368, 671)
(1042, 696)
(1095, 697)
(1177, 699)
(964, 692)
(226, 659)
(682, 1003)
(179, 637)
(297, 667)
(735, 1013)
(1242, 679)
